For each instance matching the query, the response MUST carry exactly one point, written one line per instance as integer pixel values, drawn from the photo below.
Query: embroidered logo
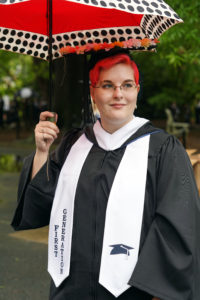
(120, 249)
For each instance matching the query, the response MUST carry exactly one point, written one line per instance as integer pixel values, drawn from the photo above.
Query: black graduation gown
(168, 263)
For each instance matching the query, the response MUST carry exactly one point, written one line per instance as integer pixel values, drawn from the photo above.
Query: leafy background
(172, 74)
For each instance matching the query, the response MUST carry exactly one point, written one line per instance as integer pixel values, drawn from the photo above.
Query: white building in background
(6, 100)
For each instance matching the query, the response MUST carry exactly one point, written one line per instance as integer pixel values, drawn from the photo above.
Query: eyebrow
(126, 80)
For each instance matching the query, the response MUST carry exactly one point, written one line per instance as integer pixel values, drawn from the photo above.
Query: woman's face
(116, 105)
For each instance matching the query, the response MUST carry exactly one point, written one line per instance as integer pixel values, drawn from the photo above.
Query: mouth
(117, 105)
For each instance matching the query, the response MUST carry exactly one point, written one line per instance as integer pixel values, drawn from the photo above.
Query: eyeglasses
(110, 87)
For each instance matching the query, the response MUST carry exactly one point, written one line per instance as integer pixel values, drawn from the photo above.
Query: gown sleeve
(35, 197)
(168, 266)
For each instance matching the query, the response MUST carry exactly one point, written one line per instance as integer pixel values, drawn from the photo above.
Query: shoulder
(163, 143)
(159, 139)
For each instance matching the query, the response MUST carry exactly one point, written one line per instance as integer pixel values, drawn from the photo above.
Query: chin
(120, 117)
(119, 120)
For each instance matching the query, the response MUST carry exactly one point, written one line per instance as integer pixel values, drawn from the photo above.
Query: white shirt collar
(111, 141)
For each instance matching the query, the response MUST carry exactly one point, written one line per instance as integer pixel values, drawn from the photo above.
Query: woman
(125, 214)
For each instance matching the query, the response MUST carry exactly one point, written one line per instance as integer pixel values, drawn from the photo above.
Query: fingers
(46, 126)
(45, 132)
(47, 129)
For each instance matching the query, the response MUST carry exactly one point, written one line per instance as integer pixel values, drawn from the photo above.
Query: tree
(15, 72)
(172, 74)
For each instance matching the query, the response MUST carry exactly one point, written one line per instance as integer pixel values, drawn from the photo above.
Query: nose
(117, 93)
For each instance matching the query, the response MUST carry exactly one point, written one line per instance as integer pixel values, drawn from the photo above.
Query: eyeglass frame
(117, 86)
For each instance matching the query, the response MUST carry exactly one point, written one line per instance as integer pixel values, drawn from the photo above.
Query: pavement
(23, 255)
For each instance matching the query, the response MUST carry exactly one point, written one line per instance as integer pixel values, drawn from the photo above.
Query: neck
(114, 126)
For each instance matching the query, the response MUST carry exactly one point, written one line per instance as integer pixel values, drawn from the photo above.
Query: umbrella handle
(54, 118)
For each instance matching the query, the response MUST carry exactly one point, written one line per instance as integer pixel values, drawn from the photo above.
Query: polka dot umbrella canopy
(82, 25)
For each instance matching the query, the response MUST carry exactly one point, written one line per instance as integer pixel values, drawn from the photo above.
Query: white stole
(124, 211)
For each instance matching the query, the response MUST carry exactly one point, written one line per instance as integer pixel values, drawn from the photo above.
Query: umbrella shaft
(49, 12)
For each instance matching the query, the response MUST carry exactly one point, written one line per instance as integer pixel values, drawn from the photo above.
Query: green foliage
(18, 70)
(172, 74)
(9, 163)
(15, 72)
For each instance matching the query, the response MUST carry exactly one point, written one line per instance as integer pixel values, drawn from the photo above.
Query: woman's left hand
(155, 298)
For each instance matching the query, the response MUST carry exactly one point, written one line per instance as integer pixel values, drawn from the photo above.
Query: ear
(92, 93)
(138, 88)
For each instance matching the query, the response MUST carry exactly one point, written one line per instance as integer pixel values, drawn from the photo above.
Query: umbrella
(41, 28)
(24, 24)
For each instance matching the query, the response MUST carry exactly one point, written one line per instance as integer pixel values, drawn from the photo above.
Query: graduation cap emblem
(120, 249)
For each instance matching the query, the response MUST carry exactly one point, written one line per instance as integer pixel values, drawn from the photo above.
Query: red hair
(108, 63)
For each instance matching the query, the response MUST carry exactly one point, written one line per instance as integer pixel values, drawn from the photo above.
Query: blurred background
(169, 97)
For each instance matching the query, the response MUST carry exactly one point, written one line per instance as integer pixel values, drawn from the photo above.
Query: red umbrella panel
(82, 25)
